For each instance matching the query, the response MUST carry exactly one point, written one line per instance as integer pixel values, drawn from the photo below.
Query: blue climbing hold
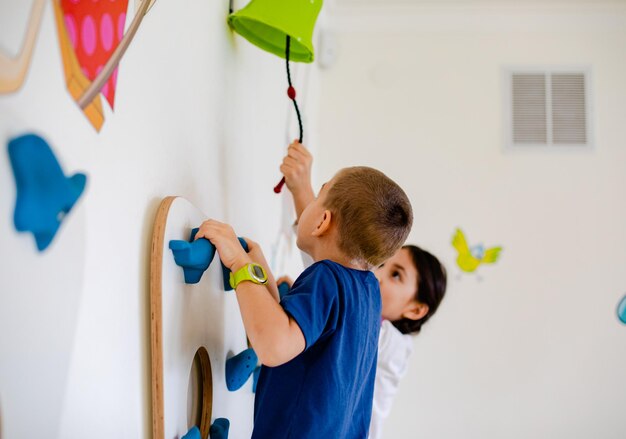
(239, 368)
(283, 289)
(194, 256)
(219, 429)
(193, 433)
(621, 310)
(255, 378)
(226, 271)
(44, 194)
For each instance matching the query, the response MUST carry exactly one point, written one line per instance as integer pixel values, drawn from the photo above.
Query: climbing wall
(185, 318)
(191, 118)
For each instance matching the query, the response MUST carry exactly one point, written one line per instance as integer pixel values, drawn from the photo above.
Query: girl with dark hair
(412, 285)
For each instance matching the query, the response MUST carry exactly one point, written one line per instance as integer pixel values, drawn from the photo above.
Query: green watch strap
(252, 272)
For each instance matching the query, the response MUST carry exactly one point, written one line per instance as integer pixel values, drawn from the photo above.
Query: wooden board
(185, 318)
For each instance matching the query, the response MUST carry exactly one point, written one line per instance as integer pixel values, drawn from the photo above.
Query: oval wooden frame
(206, 379)
(156, 330)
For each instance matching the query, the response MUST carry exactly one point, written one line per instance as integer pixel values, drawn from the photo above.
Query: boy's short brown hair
(374, 214)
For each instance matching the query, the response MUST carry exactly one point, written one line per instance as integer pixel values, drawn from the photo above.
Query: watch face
(258, 272)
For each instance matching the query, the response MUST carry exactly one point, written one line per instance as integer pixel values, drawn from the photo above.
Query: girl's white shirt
(394, 351)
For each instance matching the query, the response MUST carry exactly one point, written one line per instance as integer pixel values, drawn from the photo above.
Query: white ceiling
(441, 15)
(463, 3)
(361, 5)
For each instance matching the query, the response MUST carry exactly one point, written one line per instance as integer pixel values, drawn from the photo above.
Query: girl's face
(398, 287)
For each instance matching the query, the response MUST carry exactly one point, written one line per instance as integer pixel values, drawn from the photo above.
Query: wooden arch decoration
(188, 321)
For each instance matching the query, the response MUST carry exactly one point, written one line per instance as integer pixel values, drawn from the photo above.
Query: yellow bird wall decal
(469, 259)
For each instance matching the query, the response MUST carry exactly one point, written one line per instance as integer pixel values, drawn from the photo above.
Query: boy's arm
(296, 168)
(274, 335)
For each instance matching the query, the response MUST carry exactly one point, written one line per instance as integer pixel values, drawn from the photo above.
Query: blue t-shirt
(327, 390)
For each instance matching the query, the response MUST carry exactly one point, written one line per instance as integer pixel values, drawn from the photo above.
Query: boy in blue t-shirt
(319, 345)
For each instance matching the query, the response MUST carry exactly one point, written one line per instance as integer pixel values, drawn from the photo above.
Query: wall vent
(548, 107)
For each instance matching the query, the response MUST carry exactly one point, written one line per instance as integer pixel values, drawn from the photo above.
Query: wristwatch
(252, 272)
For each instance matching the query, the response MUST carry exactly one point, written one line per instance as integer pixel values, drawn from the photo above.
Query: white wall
(199, 113)
(534, 349)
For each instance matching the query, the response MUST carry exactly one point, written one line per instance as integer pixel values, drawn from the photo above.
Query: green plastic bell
(267, 23)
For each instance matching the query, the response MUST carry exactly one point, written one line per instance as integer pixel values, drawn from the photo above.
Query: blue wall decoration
(193, 433)
(239, 368)
(193, 256)
(621, 310)
(219, 429)
(44, 194)
(255, 378)
(283, 289)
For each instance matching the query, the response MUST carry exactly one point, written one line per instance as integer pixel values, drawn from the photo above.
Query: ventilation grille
(569, 114)
(529, 109)
(548, 109)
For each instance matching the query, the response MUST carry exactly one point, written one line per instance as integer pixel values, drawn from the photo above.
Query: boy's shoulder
(323, 266)
(329, 271)
(324, 269)
(336, 269)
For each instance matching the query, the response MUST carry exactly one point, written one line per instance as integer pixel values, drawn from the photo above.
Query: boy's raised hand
(223, 237)
(296, 168)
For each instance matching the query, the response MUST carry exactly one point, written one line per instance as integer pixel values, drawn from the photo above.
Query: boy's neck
(333, 253)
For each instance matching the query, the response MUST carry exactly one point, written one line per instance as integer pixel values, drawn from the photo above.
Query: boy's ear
(324, 225)
(416, 311)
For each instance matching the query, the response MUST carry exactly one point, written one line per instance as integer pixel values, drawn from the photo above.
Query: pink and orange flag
(89, 32)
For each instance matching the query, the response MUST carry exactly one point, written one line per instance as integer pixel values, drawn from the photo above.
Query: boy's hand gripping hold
(225, 241)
